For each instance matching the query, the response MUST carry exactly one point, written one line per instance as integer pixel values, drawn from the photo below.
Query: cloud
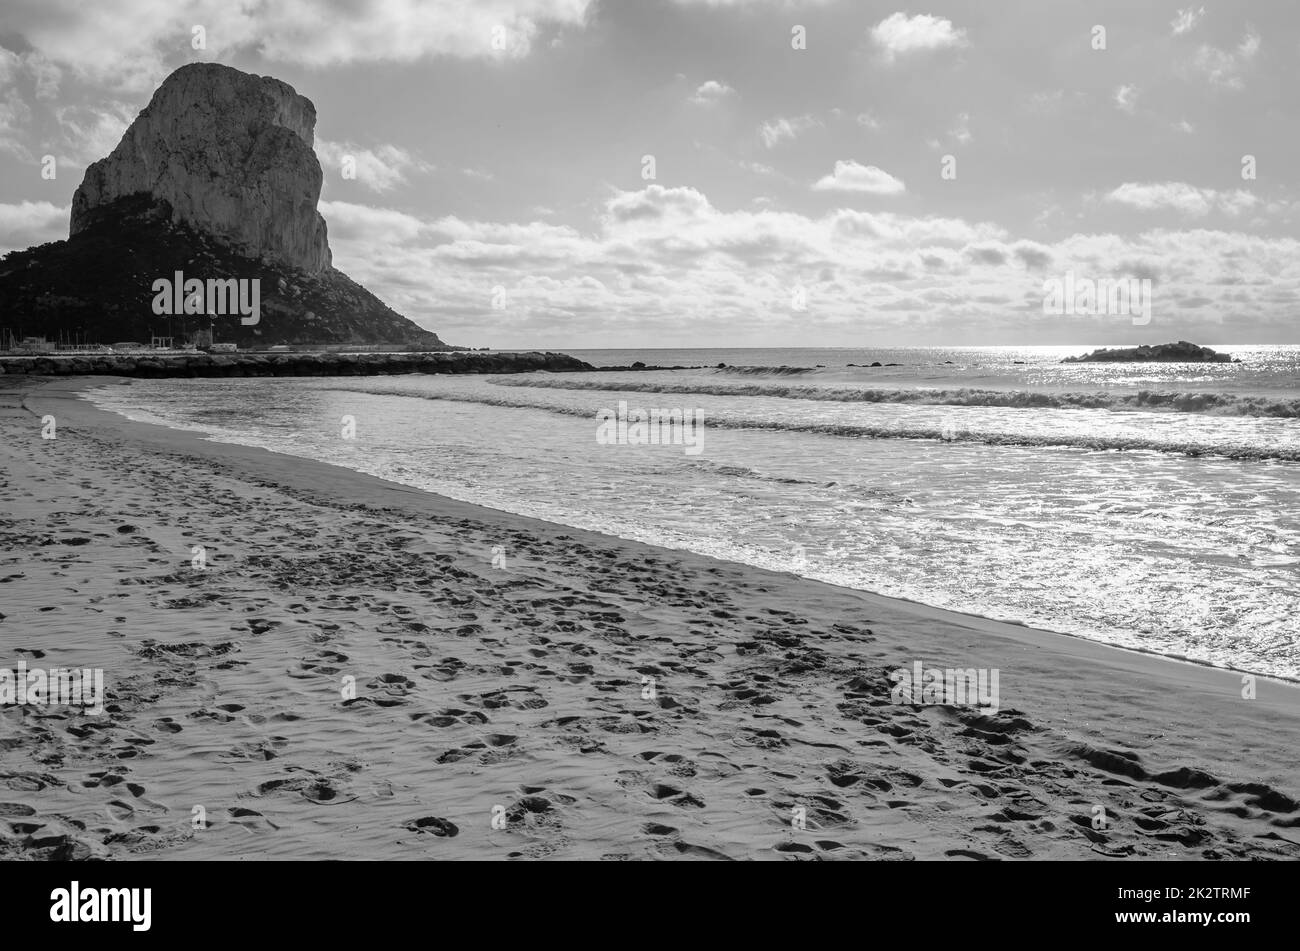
(960, 132)
(1032, 254)
(1223, 68)
(868, 121)
(1187, 20)
(14, 116)
(992, 255)
(711, 93)
(665, 263)
(91, 132)
(851, 177)
(1181, 197)
(30, 223)
(379, 169)
(1126, 98)
(899, 35)
(131, 44)
(775, 131)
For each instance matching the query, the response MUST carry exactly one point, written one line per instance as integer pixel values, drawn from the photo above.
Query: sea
(1150, 506)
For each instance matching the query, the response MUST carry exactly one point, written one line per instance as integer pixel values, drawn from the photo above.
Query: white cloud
(775, 131)
(1181, 197)
(130, 44)
(1223, 68)
(30, 223)
(379, 169)
(45, 74)
(960, 132)
(14, 115)
(711, 93)
(1126, 98)
(900, 34)
(852, 177)
(1187, 20)
(91, 132)
(666, 264)
(868, 121)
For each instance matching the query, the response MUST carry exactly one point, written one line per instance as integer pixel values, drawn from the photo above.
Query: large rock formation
(215, 180)
(231, 154)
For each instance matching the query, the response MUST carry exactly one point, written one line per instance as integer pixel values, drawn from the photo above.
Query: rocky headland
(217, 180)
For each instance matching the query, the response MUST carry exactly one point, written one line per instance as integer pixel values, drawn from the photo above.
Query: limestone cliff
(217, 180)
(231, 154)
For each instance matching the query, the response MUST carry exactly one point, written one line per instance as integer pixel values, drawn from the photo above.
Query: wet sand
(589, 698)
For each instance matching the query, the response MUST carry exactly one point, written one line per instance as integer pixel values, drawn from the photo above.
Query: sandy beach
(527, 690)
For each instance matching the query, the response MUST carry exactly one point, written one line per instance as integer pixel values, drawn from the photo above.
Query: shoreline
(1081, 722)
(937, 612)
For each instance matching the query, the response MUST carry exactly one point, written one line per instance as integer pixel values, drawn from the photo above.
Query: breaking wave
(935, 430)
(1219, 404)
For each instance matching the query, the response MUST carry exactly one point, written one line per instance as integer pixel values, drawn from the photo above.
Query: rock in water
(232, 154)
(1180, 352)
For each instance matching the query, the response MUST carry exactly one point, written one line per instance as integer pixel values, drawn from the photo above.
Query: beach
(359, 669)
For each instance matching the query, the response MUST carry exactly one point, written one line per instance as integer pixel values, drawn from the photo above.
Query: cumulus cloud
(1183, 198)
(379, 169)
(30, 223)
(851, 177)
(668, 262)
(775, 131)
(900, 35)
(711, 93)
(1032, 254)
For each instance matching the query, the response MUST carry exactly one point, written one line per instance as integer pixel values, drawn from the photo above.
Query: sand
(591, 698)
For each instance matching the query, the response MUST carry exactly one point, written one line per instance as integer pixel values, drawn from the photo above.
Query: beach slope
(302, 661)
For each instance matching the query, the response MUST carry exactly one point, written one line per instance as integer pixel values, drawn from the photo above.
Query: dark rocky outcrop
(1180, 352)
(99, 284)
(216, 179)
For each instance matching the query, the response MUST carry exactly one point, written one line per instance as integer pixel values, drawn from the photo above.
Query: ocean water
(1155, 507)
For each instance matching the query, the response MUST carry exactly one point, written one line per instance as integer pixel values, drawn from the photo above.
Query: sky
(672, 173)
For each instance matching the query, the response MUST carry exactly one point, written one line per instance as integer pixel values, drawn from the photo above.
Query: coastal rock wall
(289, 364)
(230, 153)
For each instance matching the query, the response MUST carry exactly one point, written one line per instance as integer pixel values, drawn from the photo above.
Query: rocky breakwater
(289, 364)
